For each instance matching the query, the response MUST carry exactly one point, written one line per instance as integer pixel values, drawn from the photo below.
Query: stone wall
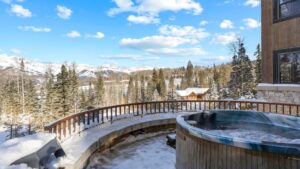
(279, 93)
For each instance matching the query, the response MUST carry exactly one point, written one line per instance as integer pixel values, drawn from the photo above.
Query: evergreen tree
(91, 95)
(137, 94)
(171, 83)
(130, 91)
(234, 78)
(214, 94)
(150, 91)
(31, 103)
(216, 77)
(74, 94)
(143, 89)
(62, 85)
(83, 101)
(161, 84)
(258, 67)
(241, 78)
(189, 74)
(50, 91)
(99, 87)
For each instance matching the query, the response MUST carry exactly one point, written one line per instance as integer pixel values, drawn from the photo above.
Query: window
(287, 67)
(286, 9)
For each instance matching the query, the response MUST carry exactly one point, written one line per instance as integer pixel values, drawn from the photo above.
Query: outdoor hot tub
(229, 139)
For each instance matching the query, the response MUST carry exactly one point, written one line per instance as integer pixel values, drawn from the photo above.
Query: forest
(28, 101)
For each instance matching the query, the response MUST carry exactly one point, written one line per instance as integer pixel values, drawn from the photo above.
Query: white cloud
(20, 11)
(143, 19)
(131, 57)
(203, 23)
(185, 31)
(155, 6)
(73, 34)
(163, 45)
(155, 42)
(63, 12)
(34, 29)
(251, 23)
(224, 39)
(178, 51)
(252, 3)
(226, 24)
(98, 35)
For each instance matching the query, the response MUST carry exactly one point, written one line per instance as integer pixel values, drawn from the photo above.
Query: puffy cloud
(154, 7)
(163, 45)
(226, 24)
(154, 42)
(178, 51)
(251, 23)
(98, 35)
(142, 19)
(252, 3)
(63, 12)
(185, 31)
(34, 29)
(131, 57)
(73, 34)
(203, 23)
(20, 11)
(224, 39)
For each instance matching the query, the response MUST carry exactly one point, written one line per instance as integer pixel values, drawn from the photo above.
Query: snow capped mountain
(12, 62)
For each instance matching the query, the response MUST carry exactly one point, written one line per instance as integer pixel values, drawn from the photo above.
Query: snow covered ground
(4, 133)
(14, 149)
(142, 152)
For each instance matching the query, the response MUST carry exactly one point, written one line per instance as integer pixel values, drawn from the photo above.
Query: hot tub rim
(279, 148)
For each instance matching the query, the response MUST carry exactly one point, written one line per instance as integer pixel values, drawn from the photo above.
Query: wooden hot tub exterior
(196, 153)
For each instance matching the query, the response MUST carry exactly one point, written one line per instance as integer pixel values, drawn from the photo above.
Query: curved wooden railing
(76, 123)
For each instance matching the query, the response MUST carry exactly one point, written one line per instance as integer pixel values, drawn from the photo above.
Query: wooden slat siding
(276, 36)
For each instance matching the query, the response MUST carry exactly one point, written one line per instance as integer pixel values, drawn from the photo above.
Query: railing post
(102, 116)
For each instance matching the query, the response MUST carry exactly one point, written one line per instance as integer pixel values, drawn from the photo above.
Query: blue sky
(128, 33)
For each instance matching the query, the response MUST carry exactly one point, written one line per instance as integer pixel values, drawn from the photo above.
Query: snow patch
(17, 148)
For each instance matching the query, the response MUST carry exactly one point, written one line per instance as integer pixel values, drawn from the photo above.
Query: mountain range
(35, 68)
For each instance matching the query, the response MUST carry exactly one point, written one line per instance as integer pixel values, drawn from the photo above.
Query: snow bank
(17, 148)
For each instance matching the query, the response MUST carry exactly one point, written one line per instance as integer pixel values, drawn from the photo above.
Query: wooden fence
(69, 125)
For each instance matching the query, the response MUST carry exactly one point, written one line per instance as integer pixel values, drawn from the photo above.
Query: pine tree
(99, 87)
(214, 94)
(83, 101)
(137, 94)
(143, 89)
(247, 81)
(258, 67)
(241, 77)
(130, 91)
(216, 77)
(171, 83)
(189, 74)
(62, 85)
(234, 78)
(150, 91)
(31, 103)
(161, 84)
(74, 94)
(91, 95)
(50, 91)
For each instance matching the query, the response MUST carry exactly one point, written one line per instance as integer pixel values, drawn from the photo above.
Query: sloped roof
(188, 91)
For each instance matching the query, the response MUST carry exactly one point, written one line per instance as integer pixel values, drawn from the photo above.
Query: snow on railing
(67, 126)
